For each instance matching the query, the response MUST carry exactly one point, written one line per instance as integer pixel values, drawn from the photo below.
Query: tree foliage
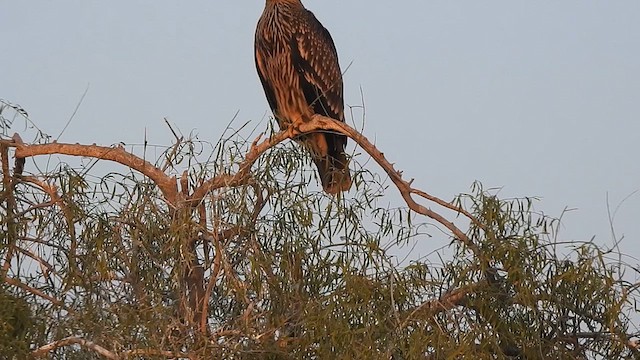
(232, 252)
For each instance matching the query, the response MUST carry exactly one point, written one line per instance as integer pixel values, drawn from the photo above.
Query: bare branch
(324, 123)
(55, 199)
(447, 301)
(72, 340)
(51, 190)
(43, 351)
(242, 176)
(167, 184)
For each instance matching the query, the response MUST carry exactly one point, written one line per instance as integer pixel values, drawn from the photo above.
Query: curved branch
(320, 122)
(242, 175)
(50, 189)
(169, 188)
(167, 184)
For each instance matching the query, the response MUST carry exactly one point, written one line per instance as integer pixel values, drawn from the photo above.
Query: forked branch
(168, 185)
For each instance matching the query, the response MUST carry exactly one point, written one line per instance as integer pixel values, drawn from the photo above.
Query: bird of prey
(298, 66)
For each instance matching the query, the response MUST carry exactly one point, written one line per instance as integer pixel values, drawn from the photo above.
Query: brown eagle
(298, 66)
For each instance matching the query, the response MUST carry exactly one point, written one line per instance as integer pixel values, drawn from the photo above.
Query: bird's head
(283, 2)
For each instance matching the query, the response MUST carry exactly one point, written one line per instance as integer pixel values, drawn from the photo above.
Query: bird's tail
(332, 164)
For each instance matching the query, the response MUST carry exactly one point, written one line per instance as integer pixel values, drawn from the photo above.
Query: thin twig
(15, 282)
(261, 201)
(44, 265)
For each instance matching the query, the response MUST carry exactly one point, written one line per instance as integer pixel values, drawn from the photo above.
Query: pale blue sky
(539, 97)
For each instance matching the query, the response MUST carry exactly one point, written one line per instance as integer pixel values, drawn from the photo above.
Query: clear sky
(541, 98)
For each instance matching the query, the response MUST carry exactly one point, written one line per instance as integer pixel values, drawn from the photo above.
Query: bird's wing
(262, 71)
(316, 60)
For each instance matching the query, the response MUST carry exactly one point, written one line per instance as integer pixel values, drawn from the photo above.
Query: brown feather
(297, 63)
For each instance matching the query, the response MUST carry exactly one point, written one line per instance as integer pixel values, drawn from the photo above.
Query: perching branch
(317, 123)
(242, 176)
(324, 123)
(169, 188)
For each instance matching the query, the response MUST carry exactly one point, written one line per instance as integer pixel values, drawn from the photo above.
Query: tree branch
(15, 282)
(8, 195)
(317, 123)
(169, 188)
(447, 301)
(43, 351)
(45, 267)
(216, 238)
(242, 175)
(72, 340)
(324, 123)
(167, 184)
(154, 352)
